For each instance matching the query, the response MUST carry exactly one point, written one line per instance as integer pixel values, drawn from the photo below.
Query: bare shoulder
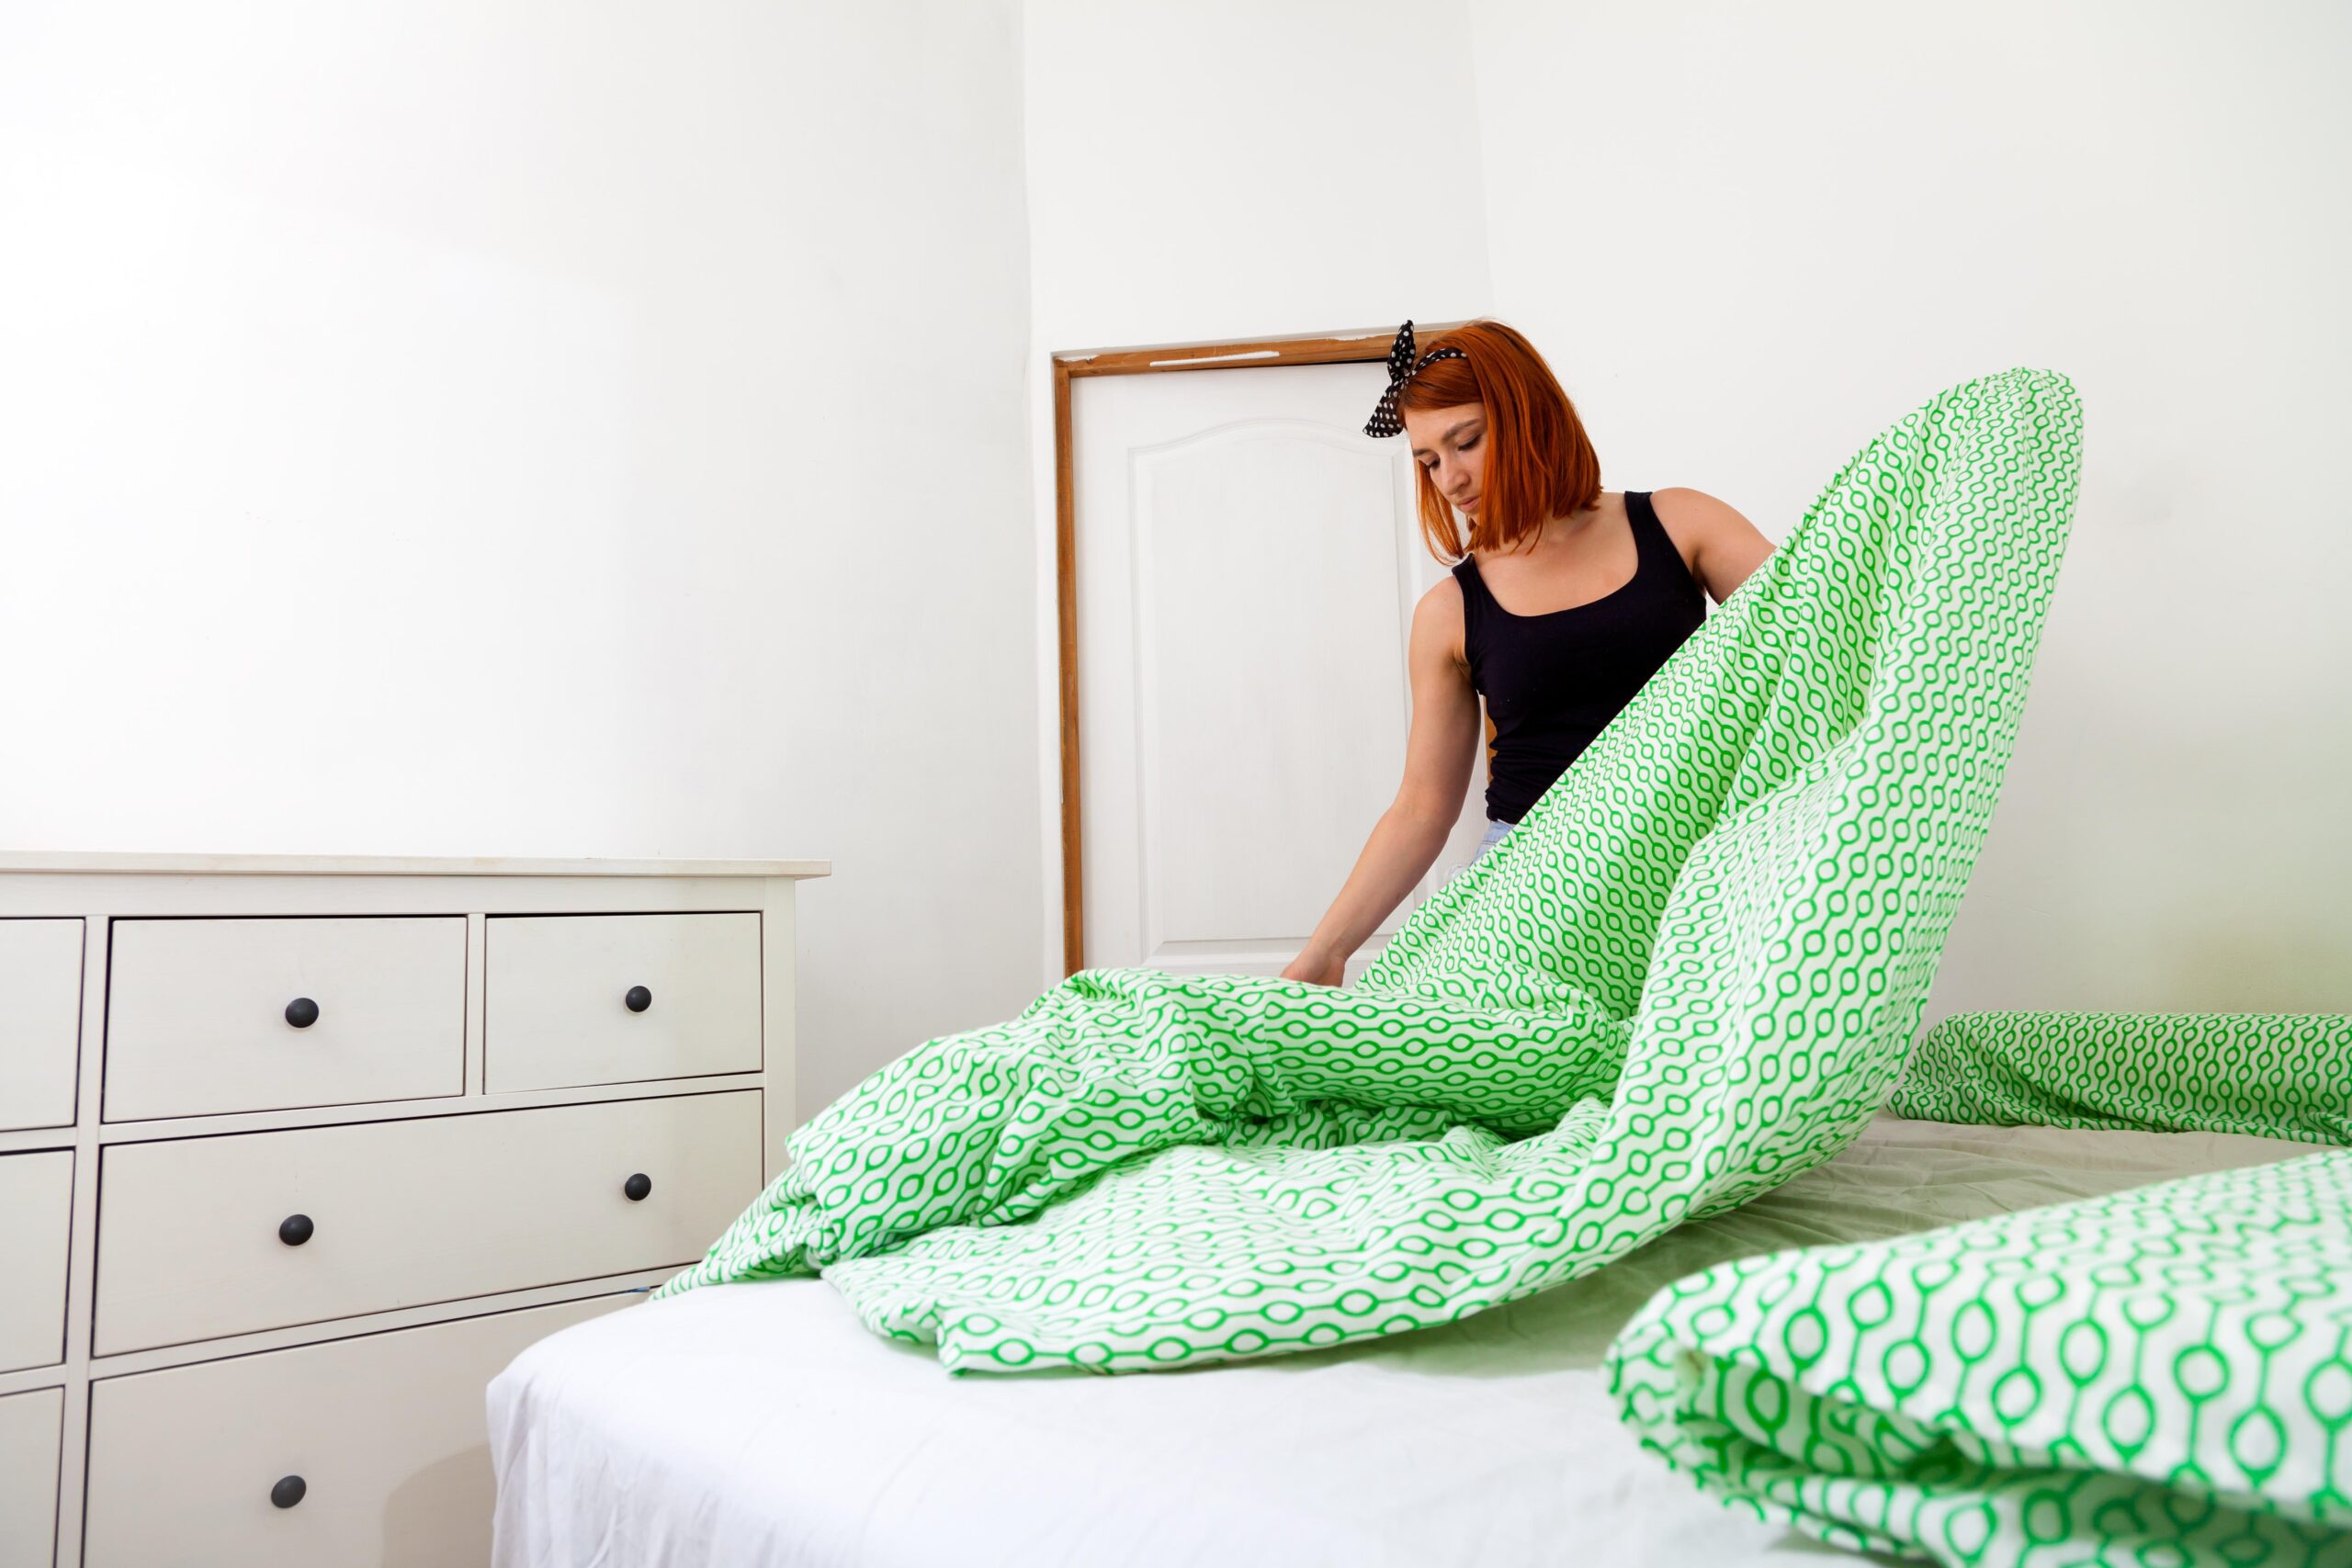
(1437, 618)
(1690, 516)
(1722, 547)
(1443, 598)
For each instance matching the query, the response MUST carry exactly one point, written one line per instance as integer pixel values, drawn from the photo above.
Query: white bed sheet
(762, 1427)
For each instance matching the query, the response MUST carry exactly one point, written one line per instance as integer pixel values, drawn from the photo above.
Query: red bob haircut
(1540, 463)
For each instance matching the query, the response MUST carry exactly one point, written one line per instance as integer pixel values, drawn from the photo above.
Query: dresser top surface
(138, 862)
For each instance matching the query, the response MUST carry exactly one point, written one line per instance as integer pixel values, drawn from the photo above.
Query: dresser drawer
(198, 1236)
(205, 1017)
(40, 975)
(572, 999)
(387, 1433)
(33, 1434)
(36, 1208)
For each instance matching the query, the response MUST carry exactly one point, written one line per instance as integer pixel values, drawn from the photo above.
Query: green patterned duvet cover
(1690, 972)
(2272, 1075)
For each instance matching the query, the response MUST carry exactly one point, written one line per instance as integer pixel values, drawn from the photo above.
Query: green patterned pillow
(2162, 1375)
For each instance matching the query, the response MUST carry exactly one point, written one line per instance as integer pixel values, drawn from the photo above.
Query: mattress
(761, 1425)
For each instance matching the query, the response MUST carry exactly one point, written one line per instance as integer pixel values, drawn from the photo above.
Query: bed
(761, 1425)
(1406, 1271)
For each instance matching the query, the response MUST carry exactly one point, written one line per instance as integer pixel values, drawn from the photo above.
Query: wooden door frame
(1067, 365)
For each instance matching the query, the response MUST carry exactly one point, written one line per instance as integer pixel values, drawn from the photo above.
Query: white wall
(1749, 237)
(507, 427)
(1222, 169)
(511, 427)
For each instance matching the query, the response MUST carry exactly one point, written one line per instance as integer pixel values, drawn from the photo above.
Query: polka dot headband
(1401, 369)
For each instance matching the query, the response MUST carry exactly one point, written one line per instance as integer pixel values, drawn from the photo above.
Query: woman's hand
(1318, 967)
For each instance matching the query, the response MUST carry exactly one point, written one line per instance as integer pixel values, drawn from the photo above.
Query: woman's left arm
(1727, 546)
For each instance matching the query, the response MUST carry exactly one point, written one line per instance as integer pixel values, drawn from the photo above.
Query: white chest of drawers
(296, 1153)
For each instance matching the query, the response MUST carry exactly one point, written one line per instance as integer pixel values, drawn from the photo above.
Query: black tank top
(1554, 682)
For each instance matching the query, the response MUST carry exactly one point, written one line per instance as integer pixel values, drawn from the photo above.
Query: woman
(1568, 599)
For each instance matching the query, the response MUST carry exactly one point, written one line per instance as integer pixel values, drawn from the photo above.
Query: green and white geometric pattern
(2272, 1075)
(1690, 972)
(2159, 1376)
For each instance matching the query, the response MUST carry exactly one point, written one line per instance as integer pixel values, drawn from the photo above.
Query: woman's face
(1450, 443)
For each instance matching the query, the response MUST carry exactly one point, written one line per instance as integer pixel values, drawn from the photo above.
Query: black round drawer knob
(288, 1491)
(638, 998)
(294, 1230)
(301, 1012)
(637, 1187)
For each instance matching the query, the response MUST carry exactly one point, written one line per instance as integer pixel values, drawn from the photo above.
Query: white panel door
(1248, 562)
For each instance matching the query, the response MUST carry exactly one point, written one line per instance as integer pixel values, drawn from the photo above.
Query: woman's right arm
(1440, 751)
